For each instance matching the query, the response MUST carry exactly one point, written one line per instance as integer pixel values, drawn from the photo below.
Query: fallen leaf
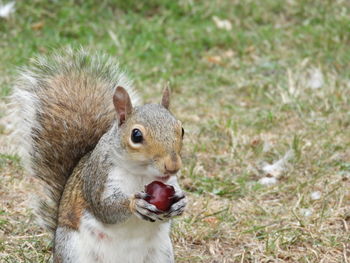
(212, 220)
(214, 59)
(229, 53)
(249, 49)
(222, 23)
(38, 26)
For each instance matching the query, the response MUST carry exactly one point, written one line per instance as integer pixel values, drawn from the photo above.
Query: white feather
(277, 168)
(7, 9)
(268, 180)
(315, 195)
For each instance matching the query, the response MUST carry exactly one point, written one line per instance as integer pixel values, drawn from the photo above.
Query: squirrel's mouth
(163, 178)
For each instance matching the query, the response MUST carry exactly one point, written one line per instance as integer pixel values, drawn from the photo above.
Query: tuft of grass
(246, 96)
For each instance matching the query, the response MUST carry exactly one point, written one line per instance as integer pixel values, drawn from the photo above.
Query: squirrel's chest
(131, 240)
(123, 180)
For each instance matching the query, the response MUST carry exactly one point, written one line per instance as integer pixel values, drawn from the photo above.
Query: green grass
(244, 98)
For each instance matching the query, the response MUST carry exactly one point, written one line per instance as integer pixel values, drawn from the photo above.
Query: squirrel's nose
(172, 164)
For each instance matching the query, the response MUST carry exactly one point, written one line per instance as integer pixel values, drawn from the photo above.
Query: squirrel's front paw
(178, 206)
(144, 210)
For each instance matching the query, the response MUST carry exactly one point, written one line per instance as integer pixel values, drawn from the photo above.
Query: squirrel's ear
(122, 104)
(166, 98)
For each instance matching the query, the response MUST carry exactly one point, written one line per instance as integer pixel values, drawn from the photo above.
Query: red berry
(161, 195)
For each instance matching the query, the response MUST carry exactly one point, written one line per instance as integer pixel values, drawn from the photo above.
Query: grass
(245, 96)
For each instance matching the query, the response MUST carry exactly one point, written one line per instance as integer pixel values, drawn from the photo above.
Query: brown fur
(72, 203)
(76, 110)
(67, 106)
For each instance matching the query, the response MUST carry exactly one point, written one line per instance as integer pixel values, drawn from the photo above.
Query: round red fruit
(161, 195)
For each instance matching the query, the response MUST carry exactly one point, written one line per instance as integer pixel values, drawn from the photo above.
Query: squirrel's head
(150, 135)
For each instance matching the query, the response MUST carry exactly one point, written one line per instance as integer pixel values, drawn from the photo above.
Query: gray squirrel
(93, 148)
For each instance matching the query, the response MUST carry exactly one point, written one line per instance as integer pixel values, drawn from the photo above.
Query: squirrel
(92, 147)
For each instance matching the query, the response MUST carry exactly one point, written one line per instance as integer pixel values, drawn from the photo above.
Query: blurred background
(263, 90)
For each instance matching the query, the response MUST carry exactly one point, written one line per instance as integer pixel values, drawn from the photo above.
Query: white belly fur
(133, 241)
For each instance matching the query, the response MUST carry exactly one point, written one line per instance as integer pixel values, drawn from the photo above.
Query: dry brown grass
(231, 217)
(277, 82)
(282, 222)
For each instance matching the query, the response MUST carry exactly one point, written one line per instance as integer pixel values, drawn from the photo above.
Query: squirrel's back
(62, 106)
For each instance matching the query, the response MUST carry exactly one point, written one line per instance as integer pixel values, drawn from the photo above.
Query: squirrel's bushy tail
(63, 105)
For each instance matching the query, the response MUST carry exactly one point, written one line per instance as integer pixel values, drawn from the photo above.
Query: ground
(263, 90)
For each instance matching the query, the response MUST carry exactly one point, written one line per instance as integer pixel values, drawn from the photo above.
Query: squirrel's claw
(178, 207)
(144, 210)
(178, 196)
(141, 216)
(141, 195)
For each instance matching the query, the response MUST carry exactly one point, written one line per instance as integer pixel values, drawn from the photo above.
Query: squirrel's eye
(136, 136)
(183, 132)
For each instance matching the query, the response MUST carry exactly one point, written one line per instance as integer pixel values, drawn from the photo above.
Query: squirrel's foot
(178, 207)
(144, 210)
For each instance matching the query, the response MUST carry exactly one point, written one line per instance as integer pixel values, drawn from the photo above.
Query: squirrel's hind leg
(65, 250)
(161, 254)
